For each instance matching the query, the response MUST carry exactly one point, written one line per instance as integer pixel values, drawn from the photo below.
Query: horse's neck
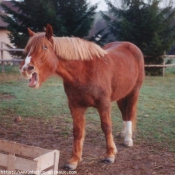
(69, 70)
(62, 72)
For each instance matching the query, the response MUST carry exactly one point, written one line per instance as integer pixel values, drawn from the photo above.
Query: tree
(145, 24)
(77, 16)
(68, 18)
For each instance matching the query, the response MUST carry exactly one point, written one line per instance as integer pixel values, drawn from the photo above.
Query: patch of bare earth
(55, 133)
(6, 96)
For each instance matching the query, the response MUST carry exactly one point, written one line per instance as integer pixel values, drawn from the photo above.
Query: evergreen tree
(68, 18)
(144, 24)
(77, 16)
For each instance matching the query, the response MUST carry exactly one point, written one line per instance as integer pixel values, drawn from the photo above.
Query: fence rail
(2, 60)
(161, 65)
(164, 65)
(12, 50)
(12, 60)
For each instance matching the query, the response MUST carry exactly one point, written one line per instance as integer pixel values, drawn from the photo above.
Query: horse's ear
(31, 33)
(49, 31)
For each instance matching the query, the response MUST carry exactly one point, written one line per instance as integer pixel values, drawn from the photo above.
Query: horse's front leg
(79, 134)
(106, 124)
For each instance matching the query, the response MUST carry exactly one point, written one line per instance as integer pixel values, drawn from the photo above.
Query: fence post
(2, 57)
(164, 56)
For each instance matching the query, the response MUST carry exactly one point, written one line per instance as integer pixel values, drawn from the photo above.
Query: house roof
(2, 11)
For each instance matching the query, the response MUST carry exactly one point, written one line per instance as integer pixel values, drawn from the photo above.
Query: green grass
(45, 102)
(157, 100)
(156, 107)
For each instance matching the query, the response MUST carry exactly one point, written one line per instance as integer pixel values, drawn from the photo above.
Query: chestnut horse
(92, 77)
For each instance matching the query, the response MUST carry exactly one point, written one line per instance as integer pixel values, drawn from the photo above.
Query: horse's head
(41, 60)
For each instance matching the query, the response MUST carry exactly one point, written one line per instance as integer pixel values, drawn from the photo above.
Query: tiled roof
(8, 4)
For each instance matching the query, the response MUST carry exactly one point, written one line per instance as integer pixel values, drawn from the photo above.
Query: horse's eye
(44, 47)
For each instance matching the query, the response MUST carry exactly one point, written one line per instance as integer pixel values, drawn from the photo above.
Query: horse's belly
(87, 96)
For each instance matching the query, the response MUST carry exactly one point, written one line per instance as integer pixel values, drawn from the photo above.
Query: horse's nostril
(30, 68)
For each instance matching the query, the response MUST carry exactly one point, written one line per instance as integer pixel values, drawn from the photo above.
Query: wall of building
(4, 38)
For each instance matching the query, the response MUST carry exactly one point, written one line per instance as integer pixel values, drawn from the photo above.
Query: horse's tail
(137, 53)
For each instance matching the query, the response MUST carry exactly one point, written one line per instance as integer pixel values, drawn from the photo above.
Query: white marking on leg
(72, 166)
(122, 134)
(128, 134)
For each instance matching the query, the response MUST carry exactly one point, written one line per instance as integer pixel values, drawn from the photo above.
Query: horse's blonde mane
(68, 48)
(76, 49)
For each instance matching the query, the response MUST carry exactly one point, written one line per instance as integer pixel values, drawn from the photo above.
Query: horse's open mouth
(33, 80)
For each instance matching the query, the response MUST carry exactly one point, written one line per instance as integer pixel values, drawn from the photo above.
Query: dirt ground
(142, 159)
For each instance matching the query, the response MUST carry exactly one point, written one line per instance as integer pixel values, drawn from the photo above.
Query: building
(3, 29)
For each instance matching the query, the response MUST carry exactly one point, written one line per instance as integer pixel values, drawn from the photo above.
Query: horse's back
(130, 52)
(124, 46)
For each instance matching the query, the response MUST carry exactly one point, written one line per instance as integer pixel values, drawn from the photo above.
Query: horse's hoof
(128, 143)
(108, 160)
(70, 167)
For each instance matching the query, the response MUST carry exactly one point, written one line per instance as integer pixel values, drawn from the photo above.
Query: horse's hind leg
(122, 106)
(79, 134)
(128, 107)
(106, 125)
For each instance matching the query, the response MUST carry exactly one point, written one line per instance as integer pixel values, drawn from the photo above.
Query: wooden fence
(3, 60)
(164, 65)
(12, 60)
